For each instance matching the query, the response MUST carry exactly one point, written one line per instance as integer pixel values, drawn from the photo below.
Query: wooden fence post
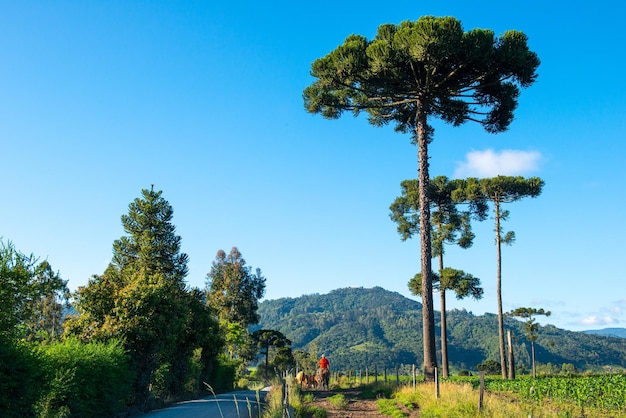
(511, 357)
(481, 391)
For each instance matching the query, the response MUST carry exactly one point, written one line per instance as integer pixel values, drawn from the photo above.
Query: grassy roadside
(457, 400)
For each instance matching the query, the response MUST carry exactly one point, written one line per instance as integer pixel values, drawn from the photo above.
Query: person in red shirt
(324, 362)
(323, 373)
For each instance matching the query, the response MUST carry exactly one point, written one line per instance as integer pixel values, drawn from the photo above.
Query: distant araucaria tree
(500, 190)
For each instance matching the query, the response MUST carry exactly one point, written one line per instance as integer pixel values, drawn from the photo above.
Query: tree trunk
(267, 356)
(499, 290)
(532, 350)
(511, 356)
(444, 335)
(444, 326)
(428, 315)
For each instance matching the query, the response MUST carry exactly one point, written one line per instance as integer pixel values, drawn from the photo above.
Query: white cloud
(618, 308)
(597, 320)
(607, 316)
(489, 163)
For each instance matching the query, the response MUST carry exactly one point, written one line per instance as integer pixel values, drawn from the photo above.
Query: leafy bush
(489, 367)
(20, 379)
(91, 379)
(223, 378)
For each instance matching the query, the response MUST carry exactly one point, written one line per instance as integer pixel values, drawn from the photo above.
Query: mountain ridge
(609, 332)
(360, 326)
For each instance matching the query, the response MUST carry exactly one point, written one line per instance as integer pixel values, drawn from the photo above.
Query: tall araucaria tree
(500, 190)
(449, 225)
(142, 299)
(415, 71)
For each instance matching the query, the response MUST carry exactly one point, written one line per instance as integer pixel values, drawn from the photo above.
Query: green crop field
(604, 392)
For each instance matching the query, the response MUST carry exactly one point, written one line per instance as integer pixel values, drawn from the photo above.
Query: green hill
(359, 327)
(611, 332)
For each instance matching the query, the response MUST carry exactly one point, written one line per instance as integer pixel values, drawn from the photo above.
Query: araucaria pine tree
(415, 71)
(500, 190)
(449, 226)
(142, 299)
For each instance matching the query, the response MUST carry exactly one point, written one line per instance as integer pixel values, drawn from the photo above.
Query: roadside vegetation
(600, 396)
(135, 337)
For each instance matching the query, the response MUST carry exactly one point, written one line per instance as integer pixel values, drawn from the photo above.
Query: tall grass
(300, 406)
(339, 401)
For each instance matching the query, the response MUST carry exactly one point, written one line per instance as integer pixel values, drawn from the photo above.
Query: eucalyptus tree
(530, 327)
(234, 291)
(33, 296)
(415, 71)
(46, 309)
(462, 284)
(449, 226)
(500, 190)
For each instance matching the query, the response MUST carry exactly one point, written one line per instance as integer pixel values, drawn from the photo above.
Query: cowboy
(324, 362)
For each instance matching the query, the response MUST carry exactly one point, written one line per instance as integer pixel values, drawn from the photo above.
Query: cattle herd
(319, 380)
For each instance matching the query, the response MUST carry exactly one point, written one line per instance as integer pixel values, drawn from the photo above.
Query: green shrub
(161, 382)
(91, 379)
(21, 379)
(223, 377)
(490, 367)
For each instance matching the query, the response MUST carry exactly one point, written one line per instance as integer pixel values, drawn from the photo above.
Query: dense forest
(358, 327)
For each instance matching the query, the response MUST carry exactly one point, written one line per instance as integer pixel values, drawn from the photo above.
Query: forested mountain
(611, 332)
(356, 327)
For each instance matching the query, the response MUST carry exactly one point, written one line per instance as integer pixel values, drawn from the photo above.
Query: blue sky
(99, 100)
